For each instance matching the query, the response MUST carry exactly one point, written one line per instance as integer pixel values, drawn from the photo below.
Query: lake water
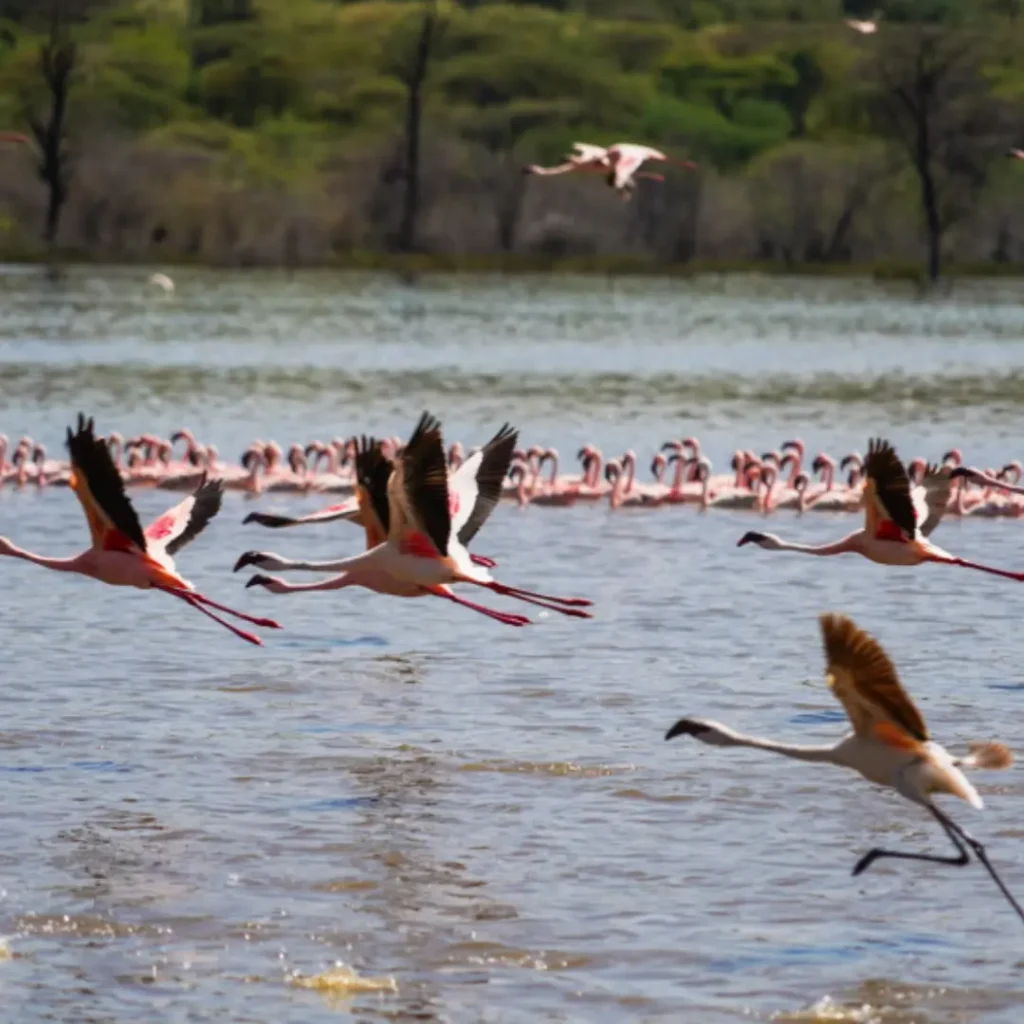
(490, 816)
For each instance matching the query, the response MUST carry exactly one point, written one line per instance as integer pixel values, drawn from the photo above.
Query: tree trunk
(56, 61)
(406, 241)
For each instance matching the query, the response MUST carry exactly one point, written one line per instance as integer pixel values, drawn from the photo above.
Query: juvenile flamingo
(122, 554)
(897, 519)
(889, 744)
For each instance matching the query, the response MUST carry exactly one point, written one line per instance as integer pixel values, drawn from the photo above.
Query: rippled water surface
(195, 830)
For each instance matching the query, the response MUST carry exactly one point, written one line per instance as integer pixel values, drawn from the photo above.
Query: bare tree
(413, 74)
(932, 101)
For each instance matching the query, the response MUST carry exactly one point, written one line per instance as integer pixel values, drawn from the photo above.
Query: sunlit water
(193, 830)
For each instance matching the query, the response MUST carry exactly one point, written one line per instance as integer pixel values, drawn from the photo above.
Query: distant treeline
(298, 132)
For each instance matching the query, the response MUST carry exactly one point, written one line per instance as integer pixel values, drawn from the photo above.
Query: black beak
(249, 558)
(750, 537)
(948, 455)
(685, 727)
(257, 581)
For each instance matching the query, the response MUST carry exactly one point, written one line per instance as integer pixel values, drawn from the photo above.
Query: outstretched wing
(931, 499)
(373, 470)
(183, 523)
(113, 522)
(476, 486)
(887, 494)
(586, 153)
(424, 482)
(865, 682)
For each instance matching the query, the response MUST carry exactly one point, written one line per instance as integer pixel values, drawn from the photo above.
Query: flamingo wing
(113, 521)
(931, 499)
(476, 489)
(183, 523)
(373, 471)
(586, 153)
(865, 682)
(424, 480)
(626, 165)
(888, 509)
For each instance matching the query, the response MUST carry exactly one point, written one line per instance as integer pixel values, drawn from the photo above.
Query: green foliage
(276, 88)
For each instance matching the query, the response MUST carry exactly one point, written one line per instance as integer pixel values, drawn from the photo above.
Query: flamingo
(620, 163)
(417, 544)
(122, 554)
(897, 519)
(867, 27)
(889, 744)
(1016, 154)
(162, 282)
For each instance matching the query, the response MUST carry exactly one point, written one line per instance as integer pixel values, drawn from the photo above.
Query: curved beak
(249, 558)
(686, 727)
(750, 537)
(257, 581)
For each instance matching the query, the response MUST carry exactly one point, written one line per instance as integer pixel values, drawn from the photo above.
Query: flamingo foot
(256, 621)
(508, 618)
(572, 602)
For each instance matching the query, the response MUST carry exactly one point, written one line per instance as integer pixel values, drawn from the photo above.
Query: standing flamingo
(429, 520)
(897, 519)
(122, 554)
(889, 744)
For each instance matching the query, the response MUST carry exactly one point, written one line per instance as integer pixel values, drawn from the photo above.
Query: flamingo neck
(853, 542)
(76, 563)
(796, 751)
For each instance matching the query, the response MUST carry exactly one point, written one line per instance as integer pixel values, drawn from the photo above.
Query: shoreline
(414, 264)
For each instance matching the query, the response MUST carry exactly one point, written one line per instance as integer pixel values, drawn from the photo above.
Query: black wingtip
(750, 537)
(686, 727)
(257, 581)
(959, 472)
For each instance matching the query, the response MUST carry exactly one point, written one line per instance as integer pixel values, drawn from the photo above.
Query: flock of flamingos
(784, 478)
(420, 507)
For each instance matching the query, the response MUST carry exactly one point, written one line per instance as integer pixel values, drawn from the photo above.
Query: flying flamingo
(897, 519)
(1016, 154)
(889, 744)
(429, 519)
(866, 27)
(122, 554)
(620, 164)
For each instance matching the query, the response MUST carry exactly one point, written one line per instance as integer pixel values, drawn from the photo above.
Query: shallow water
(194, 829)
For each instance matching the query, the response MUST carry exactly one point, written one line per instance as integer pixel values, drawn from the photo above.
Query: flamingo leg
(504, 588)
(954, 560)
(266, 623)
(542, 603)
(187, 597)
(959, 837)
(505, 617)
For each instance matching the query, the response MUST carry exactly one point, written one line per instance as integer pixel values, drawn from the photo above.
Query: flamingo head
(702, 472)
(296, 458)
(612, 470)
(184, 434)
(1013, 466)
(516, 471)
(163, 452)
(853, 459)
(628, 458)
(672, 446)
(271, 454)
(916, 469)
(771, 457)
(548, 455)
(821, 461)
(252, 457)
(800, 482)
(738, 461)
(693, 444)
(768, 541)
(39, 454)
(953, 456)
(133, 458)
(789, 459)
(796, 445)
(314, 447)
(658, 464)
